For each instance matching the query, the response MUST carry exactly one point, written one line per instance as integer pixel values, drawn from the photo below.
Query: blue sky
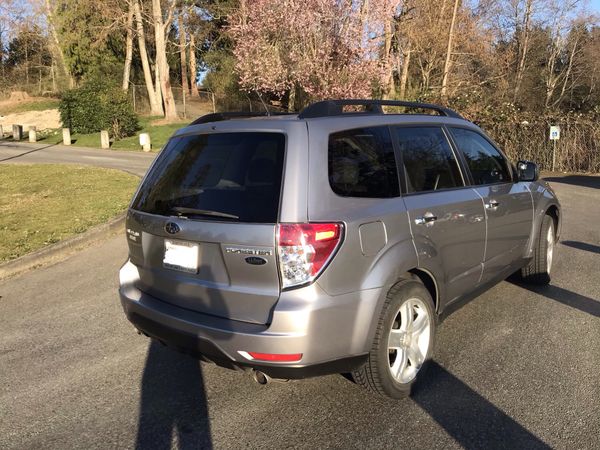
(595, 5)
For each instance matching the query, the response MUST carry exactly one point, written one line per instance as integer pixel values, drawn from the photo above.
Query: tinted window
(429, 163)
(362, 163)
(230, 176)
(486, 163)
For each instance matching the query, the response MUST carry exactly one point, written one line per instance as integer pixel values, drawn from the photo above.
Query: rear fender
(391, 265)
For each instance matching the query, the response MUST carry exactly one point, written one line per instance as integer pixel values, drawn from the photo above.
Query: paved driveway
(20, 153)
(516, 368)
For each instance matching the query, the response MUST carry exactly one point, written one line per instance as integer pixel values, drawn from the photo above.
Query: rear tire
(403, 343)
(539, 268)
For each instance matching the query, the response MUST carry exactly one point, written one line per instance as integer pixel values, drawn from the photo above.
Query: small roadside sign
(554, 132)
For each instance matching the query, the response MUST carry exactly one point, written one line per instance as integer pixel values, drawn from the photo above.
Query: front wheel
(403, 341)
(539, 268)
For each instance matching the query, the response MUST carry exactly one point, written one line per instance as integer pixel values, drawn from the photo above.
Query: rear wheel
(539, 268)
(403, 341)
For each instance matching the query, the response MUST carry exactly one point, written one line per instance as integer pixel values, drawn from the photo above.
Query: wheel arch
(554, 212)
(546, 204)
(430, 284)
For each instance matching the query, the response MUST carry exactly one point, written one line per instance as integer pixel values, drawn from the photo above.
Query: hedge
(97, 106)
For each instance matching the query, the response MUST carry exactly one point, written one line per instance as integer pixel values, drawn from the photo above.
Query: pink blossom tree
(323, 48)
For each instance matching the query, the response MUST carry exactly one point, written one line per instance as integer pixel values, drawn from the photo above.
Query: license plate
(181, 255)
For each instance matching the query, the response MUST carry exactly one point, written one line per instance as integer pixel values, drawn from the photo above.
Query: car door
(508, 204)
(447, 217)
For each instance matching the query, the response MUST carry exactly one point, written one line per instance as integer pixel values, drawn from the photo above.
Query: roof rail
(329, 108)
(220, 116)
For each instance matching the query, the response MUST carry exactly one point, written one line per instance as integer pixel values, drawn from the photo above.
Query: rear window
(224, 176)
(362, 163)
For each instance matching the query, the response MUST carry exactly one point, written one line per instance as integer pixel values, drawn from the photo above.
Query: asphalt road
(515, 368)
(15, 153)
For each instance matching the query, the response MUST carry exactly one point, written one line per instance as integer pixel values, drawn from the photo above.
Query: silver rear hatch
(202, 227)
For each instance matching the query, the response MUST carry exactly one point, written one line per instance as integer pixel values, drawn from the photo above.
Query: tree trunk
(128, 49)
(161, 61)
(387, 51)
(404, 76)
(364, 13)
(59, 52)
(157, 88)
(448, 63)
(52, 74)
(442, 12)
(568, 73)
(155, 104)
(193, 67)
(27, 62)
(243, 12)
(182, 52)
(552, 77)
(524, 49)
(2, 54)
(291, 106)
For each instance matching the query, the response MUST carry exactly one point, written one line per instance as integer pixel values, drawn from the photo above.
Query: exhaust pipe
(260, 377)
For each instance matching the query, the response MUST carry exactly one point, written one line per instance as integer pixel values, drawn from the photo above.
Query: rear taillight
(304, 250)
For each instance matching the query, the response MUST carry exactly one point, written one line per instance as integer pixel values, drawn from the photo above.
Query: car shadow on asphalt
(566, 297)
(173, 402)
(469, 418)
(582, 246)
(590, 181)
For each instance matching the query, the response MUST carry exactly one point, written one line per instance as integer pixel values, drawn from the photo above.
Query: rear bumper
(332, 333)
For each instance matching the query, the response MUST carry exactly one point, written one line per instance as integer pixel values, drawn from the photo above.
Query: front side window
(429, 163)
(362, 163)
(486, 163)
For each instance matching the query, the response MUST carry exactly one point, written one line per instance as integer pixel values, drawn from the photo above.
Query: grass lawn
(44, 203)
(38, 105)
(159, 134)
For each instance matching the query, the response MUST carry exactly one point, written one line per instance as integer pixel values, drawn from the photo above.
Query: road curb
(61, 250)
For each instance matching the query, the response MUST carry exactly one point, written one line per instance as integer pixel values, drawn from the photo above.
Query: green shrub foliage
(97, 106)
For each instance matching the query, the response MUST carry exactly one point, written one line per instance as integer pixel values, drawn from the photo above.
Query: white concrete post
(66, 136)
(1, 132)
(104, 139)
(32, 134)
(145, 142)
(17, 132)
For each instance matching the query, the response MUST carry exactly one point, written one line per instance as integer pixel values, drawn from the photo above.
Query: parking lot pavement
(517, 367)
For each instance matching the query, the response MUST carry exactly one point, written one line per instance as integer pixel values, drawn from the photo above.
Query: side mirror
(527, 171)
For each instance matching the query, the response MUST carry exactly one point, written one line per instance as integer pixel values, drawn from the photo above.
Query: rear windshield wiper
(182, 211)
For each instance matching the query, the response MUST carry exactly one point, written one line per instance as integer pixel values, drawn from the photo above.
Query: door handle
(426, 219)
(492, 205)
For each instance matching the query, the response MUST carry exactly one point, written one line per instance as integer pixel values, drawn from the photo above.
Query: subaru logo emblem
(172, 228)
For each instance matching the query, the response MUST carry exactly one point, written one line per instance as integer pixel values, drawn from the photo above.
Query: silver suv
(328, 241)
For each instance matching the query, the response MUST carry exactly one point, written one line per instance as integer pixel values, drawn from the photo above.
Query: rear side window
(225, 176)
(429, 163)
(362, 163)
(486, 163)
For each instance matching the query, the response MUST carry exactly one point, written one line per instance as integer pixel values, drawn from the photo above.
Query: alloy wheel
(409, 340)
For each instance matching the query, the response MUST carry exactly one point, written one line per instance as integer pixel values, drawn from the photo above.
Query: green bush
(97, 106)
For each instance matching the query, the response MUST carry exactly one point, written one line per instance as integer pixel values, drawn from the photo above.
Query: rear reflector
(304, 250)
(273, 357)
